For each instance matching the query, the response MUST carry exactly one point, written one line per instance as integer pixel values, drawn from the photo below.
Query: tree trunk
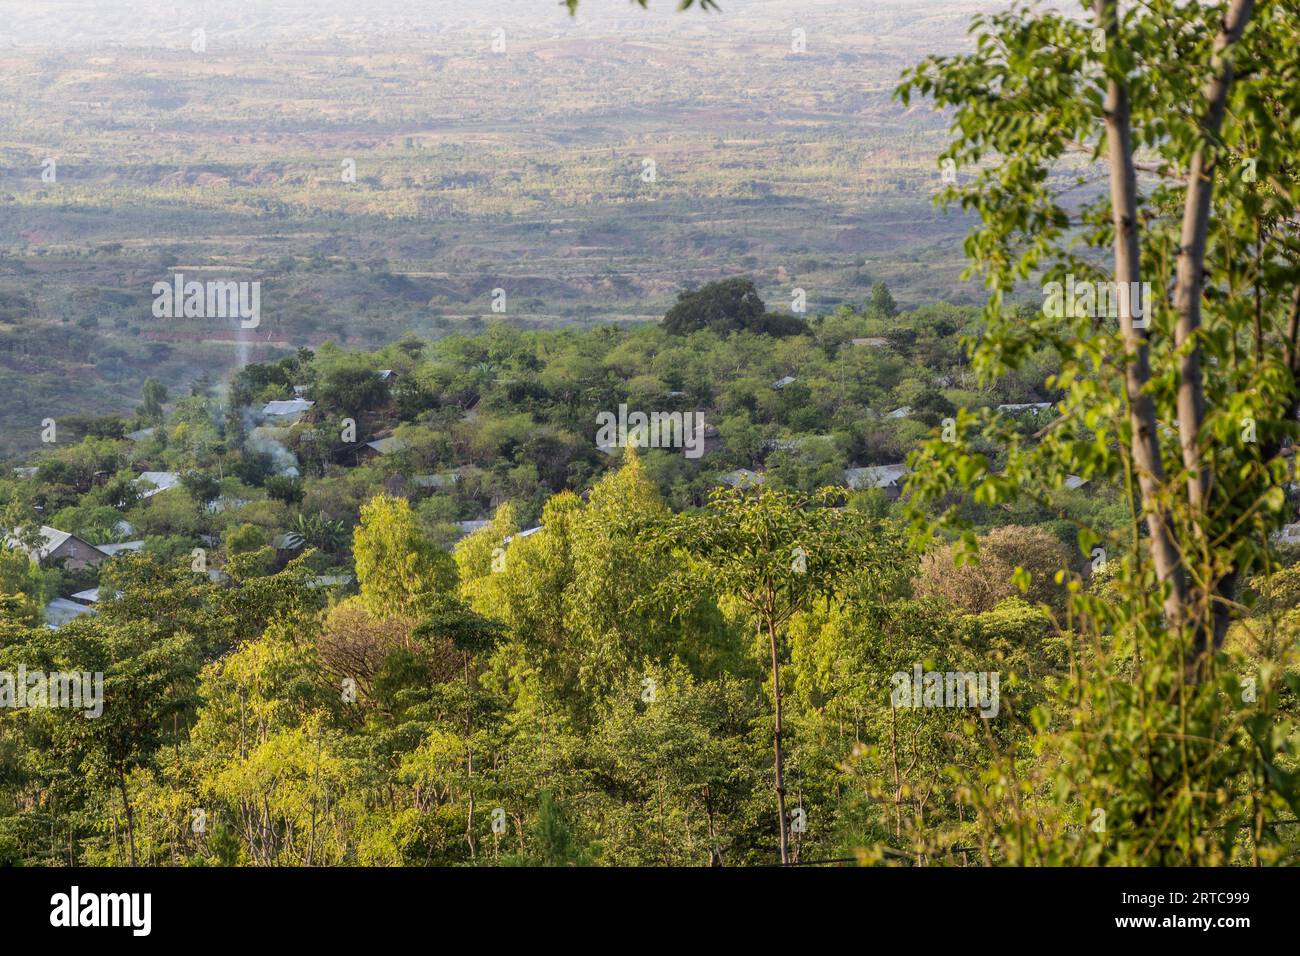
(469, 760)
(1212, 620)
(1191, 258)
(776, 742)
(130, 817)
(1145, 443)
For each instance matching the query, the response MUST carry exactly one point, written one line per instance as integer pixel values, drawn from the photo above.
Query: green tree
(775, 553)
(352, 387)
(554, 841)
(399, 570)
(203, 489)
(285, 488)
(881, 301)
(1183, 400)
(153, 393)
(727, 305)
(145, 681)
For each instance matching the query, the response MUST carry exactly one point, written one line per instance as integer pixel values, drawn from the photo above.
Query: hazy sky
(260, 22)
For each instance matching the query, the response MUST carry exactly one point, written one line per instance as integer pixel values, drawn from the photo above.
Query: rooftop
(51, 540)
(742, 478)
(875, 476)
(159, 480)
(292, 406)
(60, 611)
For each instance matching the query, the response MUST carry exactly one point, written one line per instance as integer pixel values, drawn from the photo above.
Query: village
(276, 423)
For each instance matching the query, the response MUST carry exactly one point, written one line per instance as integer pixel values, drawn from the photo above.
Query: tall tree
(153, 393)
(1186, 106)
(882, 301)
(775, 553)
(1178, 364)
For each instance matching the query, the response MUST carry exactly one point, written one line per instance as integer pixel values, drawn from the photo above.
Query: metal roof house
(528, 533)
(445, 480)
(330, 581)
(742, 478)
(289, 541)
(157, 482)
(90, 596)
(289, 410)
(60, 611)
(386, 446)
(115, 549)
(888, 478)
(56, 545)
